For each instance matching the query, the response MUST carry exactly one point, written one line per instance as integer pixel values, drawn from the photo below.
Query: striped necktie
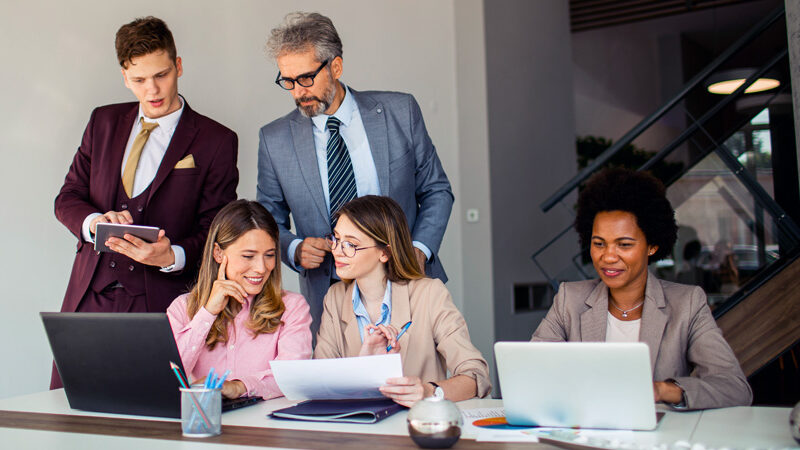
(341, 179)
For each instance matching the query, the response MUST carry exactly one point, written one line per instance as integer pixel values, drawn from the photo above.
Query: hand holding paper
(338, 378)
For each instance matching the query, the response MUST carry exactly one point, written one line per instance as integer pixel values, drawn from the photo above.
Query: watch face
(438, 392)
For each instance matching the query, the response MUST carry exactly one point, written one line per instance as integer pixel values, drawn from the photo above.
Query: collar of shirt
(166, 124)
(248, 301)
(361, 311)
(344, 113)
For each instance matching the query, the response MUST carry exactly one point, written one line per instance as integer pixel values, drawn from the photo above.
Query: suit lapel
(178, 147)
(306, 153)
(121, 136)
(653, 317)
(374, 119)
(352, 338)
(401, 313)
(594, 320)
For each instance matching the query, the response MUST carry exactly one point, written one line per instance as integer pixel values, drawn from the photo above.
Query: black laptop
(119, 363)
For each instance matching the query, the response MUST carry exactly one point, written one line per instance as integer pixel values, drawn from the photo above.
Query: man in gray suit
(339, 144)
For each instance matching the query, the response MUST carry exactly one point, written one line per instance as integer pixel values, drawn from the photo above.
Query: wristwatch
(438, 392)
(682, 404)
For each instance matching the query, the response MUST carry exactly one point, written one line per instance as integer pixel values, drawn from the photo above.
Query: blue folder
(353, 411)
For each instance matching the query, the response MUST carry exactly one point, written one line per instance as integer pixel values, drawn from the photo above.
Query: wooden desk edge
(231, 434)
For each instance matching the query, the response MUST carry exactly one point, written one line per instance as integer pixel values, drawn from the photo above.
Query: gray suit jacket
(409, 171)
(685, 343)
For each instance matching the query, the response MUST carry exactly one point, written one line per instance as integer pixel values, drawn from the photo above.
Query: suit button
(112, 264)
(140, 208)
(130, 267)
(124, 206)
(327, 272)
(378, 110)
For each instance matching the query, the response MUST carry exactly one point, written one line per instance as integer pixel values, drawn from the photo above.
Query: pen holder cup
(201, 412)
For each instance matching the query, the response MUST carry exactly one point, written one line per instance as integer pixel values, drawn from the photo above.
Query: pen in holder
(201, 411)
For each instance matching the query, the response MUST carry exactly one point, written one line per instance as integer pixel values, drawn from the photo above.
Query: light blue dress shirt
(355, 137)
(361, 311)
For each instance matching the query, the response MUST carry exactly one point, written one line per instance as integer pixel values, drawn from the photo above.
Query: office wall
(474, 187)
(531, 142)
(59, 63)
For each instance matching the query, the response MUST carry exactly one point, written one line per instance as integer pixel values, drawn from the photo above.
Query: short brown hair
(382, 219)
(143, 36)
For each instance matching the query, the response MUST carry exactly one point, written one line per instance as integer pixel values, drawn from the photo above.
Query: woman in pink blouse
(237, 317)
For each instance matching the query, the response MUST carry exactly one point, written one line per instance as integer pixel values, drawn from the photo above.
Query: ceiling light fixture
(727, 81)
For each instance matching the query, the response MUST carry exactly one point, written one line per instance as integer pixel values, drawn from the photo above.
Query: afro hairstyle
(639, 193)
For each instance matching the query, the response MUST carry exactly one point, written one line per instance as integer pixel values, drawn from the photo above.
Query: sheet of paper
(588, 438)
(471, 415)
(337, 378)
(492, 435)
(507, 433)
(503, 433)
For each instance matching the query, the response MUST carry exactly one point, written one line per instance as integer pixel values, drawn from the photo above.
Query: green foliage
(630, 156)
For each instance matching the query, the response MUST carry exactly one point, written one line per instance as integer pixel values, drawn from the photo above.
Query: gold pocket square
(186, 163)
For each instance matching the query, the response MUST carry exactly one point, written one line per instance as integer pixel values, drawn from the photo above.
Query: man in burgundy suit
(153, 162)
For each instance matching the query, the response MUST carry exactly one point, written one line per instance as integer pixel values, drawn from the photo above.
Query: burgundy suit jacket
(183, 202)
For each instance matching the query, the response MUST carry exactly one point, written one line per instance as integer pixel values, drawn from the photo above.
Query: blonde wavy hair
(382, 219)
(232, 222)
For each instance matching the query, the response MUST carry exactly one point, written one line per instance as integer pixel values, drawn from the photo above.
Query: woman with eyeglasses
(382, 290)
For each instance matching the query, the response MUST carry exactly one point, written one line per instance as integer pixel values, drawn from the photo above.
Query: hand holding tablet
(103, 231)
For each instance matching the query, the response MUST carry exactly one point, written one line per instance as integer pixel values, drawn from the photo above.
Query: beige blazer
(436, 342)
(685, 343)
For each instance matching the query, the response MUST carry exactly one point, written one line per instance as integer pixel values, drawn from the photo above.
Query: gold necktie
(133, 158)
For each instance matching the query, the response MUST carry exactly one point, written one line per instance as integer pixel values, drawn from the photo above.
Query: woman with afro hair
(627, 222)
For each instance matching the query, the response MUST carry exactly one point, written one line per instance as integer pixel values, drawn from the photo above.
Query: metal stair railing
(648, 121)
(781, 219)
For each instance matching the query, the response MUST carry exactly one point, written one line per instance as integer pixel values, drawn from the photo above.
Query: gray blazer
(685, 343)
(409, 171)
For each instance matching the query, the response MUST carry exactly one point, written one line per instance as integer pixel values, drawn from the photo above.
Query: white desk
(732, 427)
(755, 427)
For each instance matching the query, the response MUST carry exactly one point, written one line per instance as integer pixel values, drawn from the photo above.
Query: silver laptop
(574, 384)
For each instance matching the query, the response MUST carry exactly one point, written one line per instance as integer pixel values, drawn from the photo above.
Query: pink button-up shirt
(245, 356)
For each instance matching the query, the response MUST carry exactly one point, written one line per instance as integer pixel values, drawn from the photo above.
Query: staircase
(736, 202)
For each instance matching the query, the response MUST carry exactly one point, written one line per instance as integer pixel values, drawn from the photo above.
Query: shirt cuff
(86, 233)
(424, 248)
(205, 316)
(292, 249)
(180, 260)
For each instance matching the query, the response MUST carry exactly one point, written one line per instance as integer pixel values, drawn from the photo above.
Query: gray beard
(313, 110)
(321, 106)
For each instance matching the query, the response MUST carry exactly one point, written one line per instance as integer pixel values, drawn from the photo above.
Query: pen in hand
(400, 334)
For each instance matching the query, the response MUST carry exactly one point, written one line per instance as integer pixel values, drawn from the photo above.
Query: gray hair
(300, 30)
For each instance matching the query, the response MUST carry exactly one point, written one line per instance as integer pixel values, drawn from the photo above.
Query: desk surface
(44, 420)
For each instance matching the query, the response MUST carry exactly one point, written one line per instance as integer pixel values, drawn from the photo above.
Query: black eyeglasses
(348, 249)
(306, 80)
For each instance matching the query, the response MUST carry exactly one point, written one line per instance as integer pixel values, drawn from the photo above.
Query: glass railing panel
(724, 238)
(562, 259)
(752, 147)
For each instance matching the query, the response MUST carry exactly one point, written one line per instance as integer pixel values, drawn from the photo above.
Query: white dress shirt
(355, 138)
(149, 161)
